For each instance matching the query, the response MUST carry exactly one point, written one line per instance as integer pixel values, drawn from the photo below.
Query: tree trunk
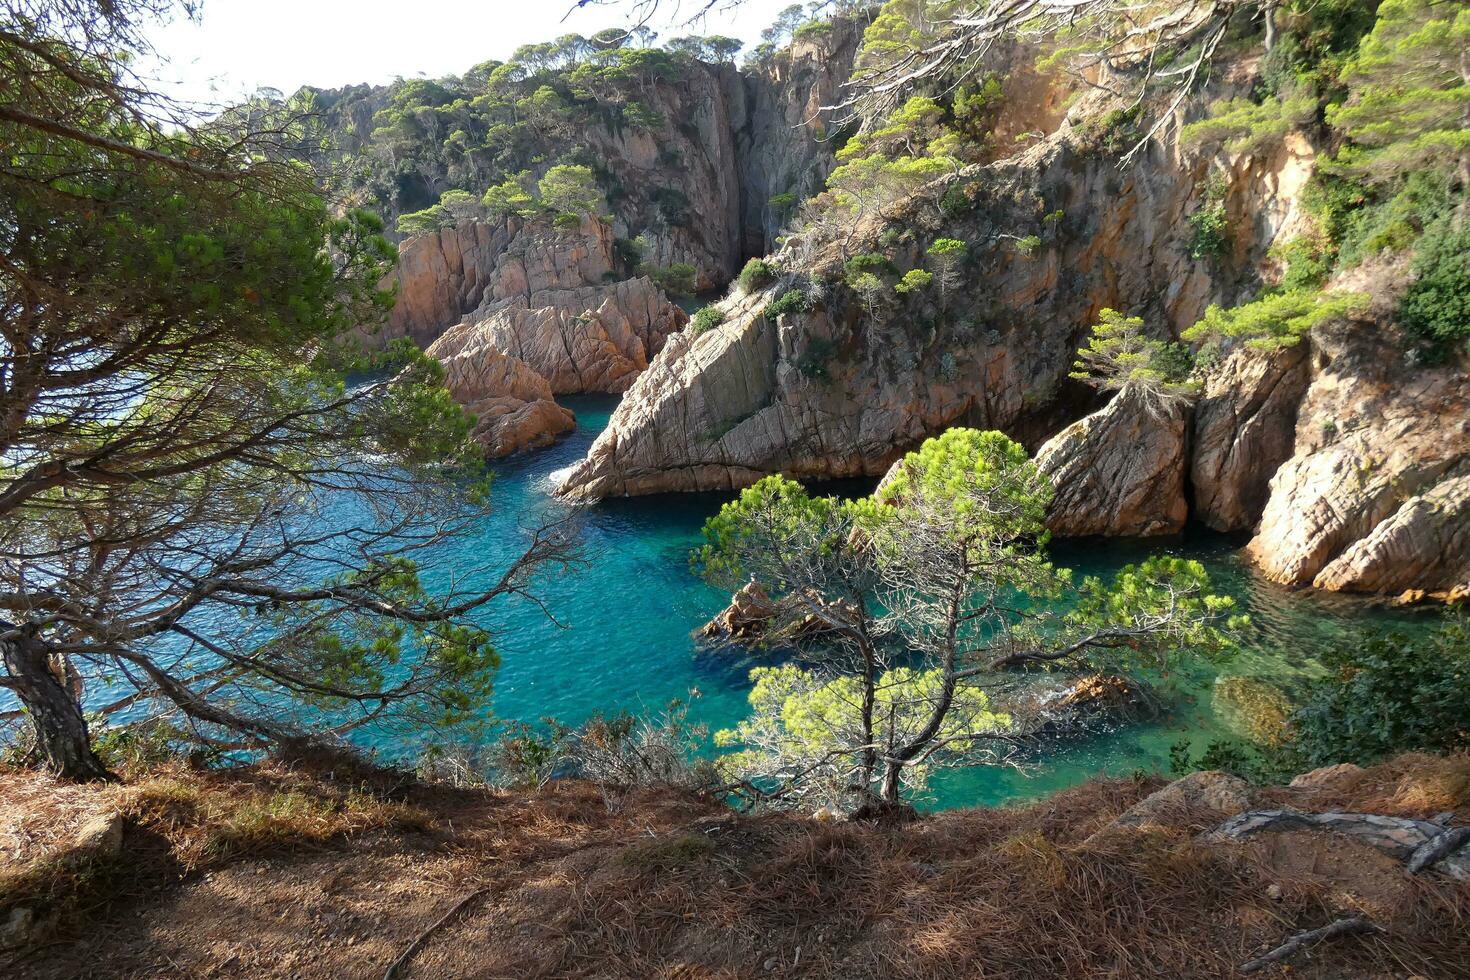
(62, 739)
(1269, 16)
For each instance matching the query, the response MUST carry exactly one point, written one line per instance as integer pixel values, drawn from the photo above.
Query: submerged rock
(1119, 471)
(754, 618)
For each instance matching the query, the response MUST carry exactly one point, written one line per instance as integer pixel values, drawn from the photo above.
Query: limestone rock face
(1244, 428)
(1119, 471)
(1374, 498)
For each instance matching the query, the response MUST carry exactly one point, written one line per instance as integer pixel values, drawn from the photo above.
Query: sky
(239, 46)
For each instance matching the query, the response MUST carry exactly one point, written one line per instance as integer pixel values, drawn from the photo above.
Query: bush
(706, 319)
(914, 280)
(1275, 321)
(1436, 306)
(1387, 695)
(757, 273)
(791, 301)
(868, 262)
(1210, 224)
(678, 279)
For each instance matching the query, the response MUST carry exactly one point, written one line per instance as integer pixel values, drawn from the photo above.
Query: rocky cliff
(840, 389)
(519, 312)
(1347, 461)
(691, 175)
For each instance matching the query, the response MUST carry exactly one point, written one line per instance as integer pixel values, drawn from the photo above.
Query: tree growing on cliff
(201, 511)
(1119, 356)
(947, 256)
(907, 607)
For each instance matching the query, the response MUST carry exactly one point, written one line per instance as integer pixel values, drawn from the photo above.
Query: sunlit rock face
(540, 317)
(1118, 471)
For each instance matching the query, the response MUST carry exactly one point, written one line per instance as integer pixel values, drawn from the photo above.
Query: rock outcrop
(512, 404)
(840, 390)
(585, 340)
(1244, 426)
(1118, 471)
(1374, 498)
(519, 312)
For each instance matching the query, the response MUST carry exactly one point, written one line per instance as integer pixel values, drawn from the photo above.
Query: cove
(626, 616)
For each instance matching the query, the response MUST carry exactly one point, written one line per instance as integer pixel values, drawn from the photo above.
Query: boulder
(1211, 790)
(1243, 429)
(749, 614)
(1374, 497)
(512, 404)
(1118, 471)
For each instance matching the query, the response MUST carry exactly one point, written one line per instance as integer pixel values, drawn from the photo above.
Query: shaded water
(629, 613)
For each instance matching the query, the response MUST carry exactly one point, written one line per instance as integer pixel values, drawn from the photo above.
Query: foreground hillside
(329, 869)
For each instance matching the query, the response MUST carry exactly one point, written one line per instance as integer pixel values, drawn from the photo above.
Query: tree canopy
(905, 609)
(203, 503)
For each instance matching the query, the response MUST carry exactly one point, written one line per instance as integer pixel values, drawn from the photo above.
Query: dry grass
(304, 874)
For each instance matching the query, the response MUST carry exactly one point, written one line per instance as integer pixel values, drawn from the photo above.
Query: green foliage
(513, 197)
(1113, 132)
(678, 279)
(1307, 261)
(570, 189)
(1243, 126)
(707, 318)
(798, 716)
(1119, 355)
(950, 561)
(913, 281)
(755, 274)
(782, 202)
(1436, 305)
(1210, 224)
(870, 262)
(1408, 95)
(813, 361)
(791, 301)
(1388, 694)
(1275, 321)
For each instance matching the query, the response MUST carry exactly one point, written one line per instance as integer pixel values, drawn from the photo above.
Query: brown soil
(333, 871)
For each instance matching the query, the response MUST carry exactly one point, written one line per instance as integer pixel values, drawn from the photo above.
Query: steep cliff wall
(841, 390)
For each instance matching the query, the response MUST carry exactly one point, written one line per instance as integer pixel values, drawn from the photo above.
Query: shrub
(1387, 695)
(706, 319)
(791, 301)
(757, 273)
(1210, 224)
(813, 362)
(678, 279)
(867, 262)
(1243, 126)
(1436, 306)
(1275, 321)
(914, 280)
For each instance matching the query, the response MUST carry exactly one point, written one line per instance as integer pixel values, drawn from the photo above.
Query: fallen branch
(1432, 850)
(1342, 927)
(422, 937)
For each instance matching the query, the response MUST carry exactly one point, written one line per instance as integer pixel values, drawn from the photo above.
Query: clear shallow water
(628, 615)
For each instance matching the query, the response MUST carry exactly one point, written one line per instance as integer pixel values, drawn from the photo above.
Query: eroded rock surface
(1244, 428)
(535, 319)
(1374, 498)
(1118, 471)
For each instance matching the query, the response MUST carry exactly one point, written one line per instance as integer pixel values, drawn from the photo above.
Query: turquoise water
(621, 634)
(628, 613)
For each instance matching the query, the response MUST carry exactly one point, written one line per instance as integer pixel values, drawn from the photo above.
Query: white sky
(238, 46)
